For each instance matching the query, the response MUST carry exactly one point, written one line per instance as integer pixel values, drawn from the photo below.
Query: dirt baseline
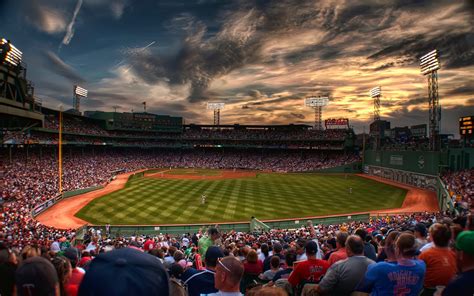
(222, 176)
(61, 215)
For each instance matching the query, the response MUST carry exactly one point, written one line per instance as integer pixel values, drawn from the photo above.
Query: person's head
(265, 249)
(341, 239)
(72, 254)
(275, 262)
(290, 258)
(300, 244)
(213, 253)
(171, 250)
(405, 246)
(36, 276)
(389, 245)
(176, 270)
(213, 233)
(440, 235)
(465, 250)
(63, 270)
(252, 256)
(29, 251)
(277, 248)
(125, 271)
(362, 233)
(354, 246)
(311, 248)
(229, 272)
(178, 255)
(420, 231)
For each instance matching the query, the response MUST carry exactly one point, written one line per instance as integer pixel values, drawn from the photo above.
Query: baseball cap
(125, 271)
(465, 242)
(311, 247)
(214, 252)
(36, 276)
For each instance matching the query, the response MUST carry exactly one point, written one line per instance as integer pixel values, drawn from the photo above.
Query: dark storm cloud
(463, 90)
(59, 67)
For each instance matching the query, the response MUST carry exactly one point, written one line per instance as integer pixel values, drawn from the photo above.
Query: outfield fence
(129, 230)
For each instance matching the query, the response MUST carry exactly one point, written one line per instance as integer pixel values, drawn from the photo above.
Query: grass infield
(267, 196)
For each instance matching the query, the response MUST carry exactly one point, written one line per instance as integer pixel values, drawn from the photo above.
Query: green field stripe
(268, 196)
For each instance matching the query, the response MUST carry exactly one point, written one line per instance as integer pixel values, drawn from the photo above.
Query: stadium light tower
(376, 93)
(9, 53)
(216, 107)
(78, 94)
(317, 103)
(429, 64)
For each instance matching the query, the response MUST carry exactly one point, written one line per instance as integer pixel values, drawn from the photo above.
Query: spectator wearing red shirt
(341, 253)
(77, 273)
(310, 270)
(252, 265)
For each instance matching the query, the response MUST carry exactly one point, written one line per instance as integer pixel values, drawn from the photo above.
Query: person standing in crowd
(208, 240)
(202, 281)
(369, 249)
(310, 270)
(77, 273)
(229, 272)
(36, 276)
(340, 253)
(404, 278)
(344, 275)
(420, 234)
(463, 284)
(440, 260)
(126, 272)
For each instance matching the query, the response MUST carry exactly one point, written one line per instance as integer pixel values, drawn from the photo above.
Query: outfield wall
(128, 230)
(422, 162)
(351, 168)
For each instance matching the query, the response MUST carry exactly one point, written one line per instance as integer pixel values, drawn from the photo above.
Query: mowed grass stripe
(268, 196)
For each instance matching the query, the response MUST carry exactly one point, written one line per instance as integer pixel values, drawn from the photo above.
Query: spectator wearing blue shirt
(202, 281)
(404, 278)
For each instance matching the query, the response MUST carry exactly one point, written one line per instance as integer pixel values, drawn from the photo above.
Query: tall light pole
(78, 94)
(216, 107)
(317, 103)
(376, 93)
(429, 64)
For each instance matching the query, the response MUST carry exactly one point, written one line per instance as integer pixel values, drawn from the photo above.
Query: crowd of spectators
(417, 254)
(460, 186)
(31, 177)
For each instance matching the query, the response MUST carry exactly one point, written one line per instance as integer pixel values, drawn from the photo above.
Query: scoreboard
(466, 126)
(337, 123)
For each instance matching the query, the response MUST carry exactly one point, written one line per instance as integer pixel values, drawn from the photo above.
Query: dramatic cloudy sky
(261, 58)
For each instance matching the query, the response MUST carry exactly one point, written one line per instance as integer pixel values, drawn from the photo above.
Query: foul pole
(60, 151)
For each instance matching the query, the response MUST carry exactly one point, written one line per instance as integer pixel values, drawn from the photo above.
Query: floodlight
(316, 101)
(13, 55)
(215, 105)
(79, 91)
(375, 92)
(429, 62)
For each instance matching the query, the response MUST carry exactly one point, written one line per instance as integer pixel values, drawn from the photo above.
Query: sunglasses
(219, 260)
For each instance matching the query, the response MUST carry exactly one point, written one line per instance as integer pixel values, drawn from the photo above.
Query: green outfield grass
(267, 196)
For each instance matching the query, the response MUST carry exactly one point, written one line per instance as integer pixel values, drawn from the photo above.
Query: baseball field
(175, 197)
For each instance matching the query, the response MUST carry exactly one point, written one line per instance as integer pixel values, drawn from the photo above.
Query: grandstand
(291, 209)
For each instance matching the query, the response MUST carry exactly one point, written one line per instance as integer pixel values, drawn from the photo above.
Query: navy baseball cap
(214, 252)
(125, 271)
(36, 276)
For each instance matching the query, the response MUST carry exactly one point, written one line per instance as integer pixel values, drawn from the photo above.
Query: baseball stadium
(229, 204)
